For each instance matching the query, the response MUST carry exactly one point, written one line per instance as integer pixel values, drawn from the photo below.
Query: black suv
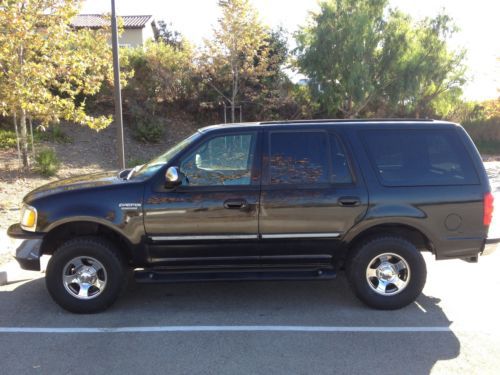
(270, 200)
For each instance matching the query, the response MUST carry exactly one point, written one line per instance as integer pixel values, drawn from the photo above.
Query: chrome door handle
(348, 201)
(235, 204)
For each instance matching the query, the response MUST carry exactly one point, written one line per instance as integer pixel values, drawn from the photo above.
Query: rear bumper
(491, 245)
(28, 255)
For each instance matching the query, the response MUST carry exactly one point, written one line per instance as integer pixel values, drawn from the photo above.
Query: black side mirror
(172, 177)
(123, 174)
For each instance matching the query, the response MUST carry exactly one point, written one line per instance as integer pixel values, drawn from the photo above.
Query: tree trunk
(17, 139)
(232, 111)
(233, 100)
(233, 96)
(32, 137)
(24, 139)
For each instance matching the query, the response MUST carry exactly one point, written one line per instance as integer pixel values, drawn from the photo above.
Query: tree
(341, 53)
(431, 75)
(162, 75)
(45, 65)
(237, 58)
(270, 92)
(165, 34)
(362, 57)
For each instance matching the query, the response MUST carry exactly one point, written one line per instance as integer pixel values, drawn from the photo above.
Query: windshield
(149, 168)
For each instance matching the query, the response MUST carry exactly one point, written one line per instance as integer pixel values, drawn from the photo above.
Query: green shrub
(149, 131)
(132, 162)
(46, 162)
(484, 130)
(491, 147)
(7, 139)
(52, 134)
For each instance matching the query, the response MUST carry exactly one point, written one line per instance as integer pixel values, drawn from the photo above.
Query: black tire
(114, 277)
(365, 276)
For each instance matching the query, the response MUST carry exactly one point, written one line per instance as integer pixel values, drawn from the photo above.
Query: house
(136, 29)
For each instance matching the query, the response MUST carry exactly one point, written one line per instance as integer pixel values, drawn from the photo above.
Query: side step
(173, 276)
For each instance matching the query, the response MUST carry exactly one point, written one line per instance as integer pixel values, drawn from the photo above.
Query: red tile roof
(96, 21)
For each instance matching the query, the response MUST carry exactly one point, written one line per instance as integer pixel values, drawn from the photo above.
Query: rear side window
(299, 158)
(419, 157)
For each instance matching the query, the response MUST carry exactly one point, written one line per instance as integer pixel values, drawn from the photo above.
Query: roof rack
(346, 120)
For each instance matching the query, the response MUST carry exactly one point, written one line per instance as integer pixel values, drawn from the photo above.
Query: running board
(163, 276)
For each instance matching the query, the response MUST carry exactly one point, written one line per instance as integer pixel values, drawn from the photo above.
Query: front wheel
(387, 272)
(86, 275)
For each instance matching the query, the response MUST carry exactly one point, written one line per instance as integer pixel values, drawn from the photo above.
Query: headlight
(28, 218)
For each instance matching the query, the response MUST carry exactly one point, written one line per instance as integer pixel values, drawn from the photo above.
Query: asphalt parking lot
(308, 327)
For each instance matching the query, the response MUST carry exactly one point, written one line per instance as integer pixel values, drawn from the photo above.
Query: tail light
(488, 209)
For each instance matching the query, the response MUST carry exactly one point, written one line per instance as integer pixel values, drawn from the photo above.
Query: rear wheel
(86, 275)
(387, 272)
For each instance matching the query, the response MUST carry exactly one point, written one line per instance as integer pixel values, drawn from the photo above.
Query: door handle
(348, 201)
(235, 204)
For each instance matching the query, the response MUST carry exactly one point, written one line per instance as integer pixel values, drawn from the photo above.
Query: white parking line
(216, 328)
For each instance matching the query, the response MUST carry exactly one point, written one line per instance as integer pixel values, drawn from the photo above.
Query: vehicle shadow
(290, 303)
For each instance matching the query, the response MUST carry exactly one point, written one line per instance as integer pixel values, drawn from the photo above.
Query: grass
(7, 139)
(54, 134)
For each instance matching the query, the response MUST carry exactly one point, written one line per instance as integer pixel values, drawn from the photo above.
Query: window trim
(255, 163)
(266, 157)
(371, 158)
(348, 158)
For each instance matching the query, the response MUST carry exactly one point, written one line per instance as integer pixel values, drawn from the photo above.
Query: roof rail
(345, 120)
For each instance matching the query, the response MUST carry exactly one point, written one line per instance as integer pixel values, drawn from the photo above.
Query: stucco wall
(131, 38)
(147, 32)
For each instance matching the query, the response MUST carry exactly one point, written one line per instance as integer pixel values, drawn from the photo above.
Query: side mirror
(172, 177)
(123, 174)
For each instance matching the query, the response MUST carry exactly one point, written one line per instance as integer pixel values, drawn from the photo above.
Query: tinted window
(419, 157)
(299, 158)
(224, 160)
(340, 167)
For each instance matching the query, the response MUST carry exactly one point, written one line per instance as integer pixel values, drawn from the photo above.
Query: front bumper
(28, 254)
(491, 245)
(15, 231)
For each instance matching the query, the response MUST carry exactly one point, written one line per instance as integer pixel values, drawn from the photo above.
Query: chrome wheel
(388, 274)
(84, 277)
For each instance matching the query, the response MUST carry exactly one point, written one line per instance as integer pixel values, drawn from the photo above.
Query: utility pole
(118, 92)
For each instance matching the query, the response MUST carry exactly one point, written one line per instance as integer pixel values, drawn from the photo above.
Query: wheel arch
(421, 241)
(72, 229)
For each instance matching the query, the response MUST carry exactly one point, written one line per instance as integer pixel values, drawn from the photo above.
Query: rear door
(310, 196)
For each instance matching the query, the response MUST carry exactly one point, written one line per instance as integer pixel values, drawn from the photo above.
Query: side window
(341, 173)
(224, 160)
(298, 158)
(419, 157)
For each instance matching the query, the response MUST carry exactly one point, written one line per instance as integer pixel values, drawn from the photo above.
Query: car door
(310, 196)
(212, 217)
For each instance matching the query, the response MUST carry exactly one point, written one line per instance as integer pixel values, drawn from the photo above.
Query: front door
(310, 197)
(212, 218)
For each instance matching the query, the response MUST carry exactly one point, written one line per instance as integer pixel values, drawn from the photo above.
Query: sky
(479, 23)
